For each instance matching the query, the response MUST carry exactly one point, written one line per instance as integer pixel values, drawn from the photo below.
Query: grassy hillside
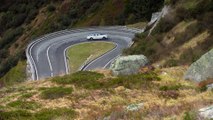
(23, 20)
(90, 95)
(181, 37)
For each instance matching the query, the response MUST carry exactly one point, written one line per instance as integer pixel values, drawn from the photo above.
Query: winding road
(46, 56)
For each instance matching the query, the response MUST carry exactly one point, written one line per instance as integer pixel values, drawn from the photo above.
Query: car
(97, 36)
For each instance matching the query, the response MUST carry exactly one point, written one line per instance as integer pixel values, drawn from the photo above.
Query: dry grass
(93, 104)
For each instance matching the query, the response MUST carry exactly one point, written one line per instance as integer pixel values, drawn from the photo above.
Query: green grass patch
(92, 80)
(20, 104)
(28, 95)
(55, 92)
(15, 75)
(133, 81)
(85, 79)
(86, 52)
(45, 114)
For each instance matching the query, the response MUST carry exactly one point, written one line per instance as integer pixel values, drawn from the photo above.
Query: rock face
(207, 112)
(202, 69)
(128, 64)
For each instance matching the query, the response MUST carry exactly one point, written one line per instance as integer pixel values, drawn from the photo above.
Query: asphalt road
(47, 55)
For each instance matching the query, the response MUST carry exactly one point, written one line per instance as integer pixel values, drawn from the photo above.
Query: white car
(97, 36)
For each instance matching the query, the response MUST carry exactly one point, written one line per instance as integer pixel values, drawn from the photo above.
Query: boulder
(202, 69)
(207, 112)
(127, 65)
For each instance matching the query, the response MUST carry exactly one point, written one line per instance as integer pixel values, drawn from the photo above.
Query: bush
(85, 79)
(133, 81)
(51, 8)
(55, 92)
(171, 62)
(169, 94)
(10, 36)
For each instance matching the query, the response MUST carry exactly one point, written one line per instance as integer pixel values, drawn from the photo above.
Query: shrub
(51, 8)
(10, 36)
(83, 79)
(169, 94)
(171, 62)
(55, 92)
(133, 81)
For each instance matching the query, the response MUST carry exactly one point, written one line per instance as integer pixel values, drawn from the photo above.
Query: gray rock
(207, 112)
(202, 69)
(127, 65)
(210, 87)
(134, 107)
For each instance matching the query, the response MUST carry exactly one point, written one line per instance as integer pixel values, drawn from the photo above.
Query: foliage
(51, 8)
(55, 92)
(141, 9)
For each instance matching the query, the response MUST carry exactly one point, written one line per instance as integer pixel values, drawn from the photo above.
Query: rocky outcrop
(128, 64)
(202, 69)
(207, 112)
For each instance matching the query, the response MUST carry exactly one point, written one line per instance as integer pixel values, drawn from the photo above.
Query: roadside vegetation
(84, 53)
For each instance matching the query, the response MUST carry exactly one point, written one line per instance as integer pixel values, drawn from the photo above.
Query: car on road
(97, 36)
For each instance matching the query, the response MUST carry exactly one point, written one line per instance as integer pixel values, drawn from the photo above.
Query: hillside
(180, 37)
(88, 95)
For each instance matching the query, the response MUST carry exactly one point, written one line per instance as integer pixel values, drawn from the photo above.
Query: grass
(92, 80)
(44, 114)
(55, 92)
(86, 52)
(20, 104)
(85, 79)
(15, 75)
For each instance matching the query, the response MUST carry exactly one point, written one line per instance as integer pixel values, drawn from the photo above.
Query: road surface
(46, 55)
